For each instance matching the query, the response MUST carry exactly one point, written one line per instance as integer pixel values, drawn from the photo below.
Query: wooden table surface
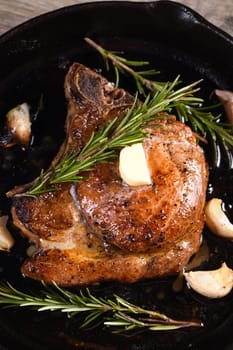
(14, 12)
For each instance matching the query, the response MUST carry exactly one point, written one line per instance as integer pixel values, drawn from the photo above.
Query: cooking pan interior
(34, 60)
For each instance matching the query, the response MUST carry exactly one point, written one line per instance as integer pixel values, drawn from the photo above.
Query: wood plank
(14, 12)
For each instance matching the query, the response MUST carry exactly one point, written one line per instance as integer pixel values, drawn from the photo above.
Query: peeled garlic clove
(19, 123)
(6, 239)
(133, 166)
(216, 219)
(211, 284)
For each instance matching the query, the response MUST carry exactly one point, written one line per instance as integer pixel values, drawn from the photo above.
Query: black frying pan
(34, 59)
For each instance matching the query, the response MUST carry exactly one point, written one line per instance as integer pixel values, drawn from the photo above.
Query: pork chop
(102, 229)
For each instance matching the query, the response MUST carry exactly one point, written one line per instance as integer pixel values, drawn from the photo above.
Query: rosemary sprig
(118, 313)
(121, 65)
(191, 112)
(116, 134)
(204, 123)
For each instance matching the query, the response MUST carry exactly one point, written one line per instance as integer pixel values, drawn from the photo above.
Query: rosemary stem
(118, 61)
(124, 315)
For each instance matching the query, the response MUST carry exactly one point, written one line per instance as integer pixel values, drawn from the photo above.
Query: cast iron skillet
(34, 59)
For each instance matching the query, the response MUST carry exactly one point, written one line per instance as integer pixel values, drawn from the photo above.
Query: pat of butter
(133, 166)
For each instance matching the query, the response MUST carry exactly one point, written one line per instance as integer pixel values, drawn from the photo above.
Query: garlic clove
(211, 284)
(6, 239)
(19, 123)
(133, 166)
(216, 219)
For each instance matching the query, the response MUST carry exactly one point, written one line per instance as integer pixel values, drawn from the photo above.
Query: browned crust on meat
(149, 218)
(102, 229)
(80, 267)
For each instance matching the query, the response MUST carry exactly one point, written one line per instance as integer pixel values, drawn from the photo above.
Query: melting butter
(133, 165)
